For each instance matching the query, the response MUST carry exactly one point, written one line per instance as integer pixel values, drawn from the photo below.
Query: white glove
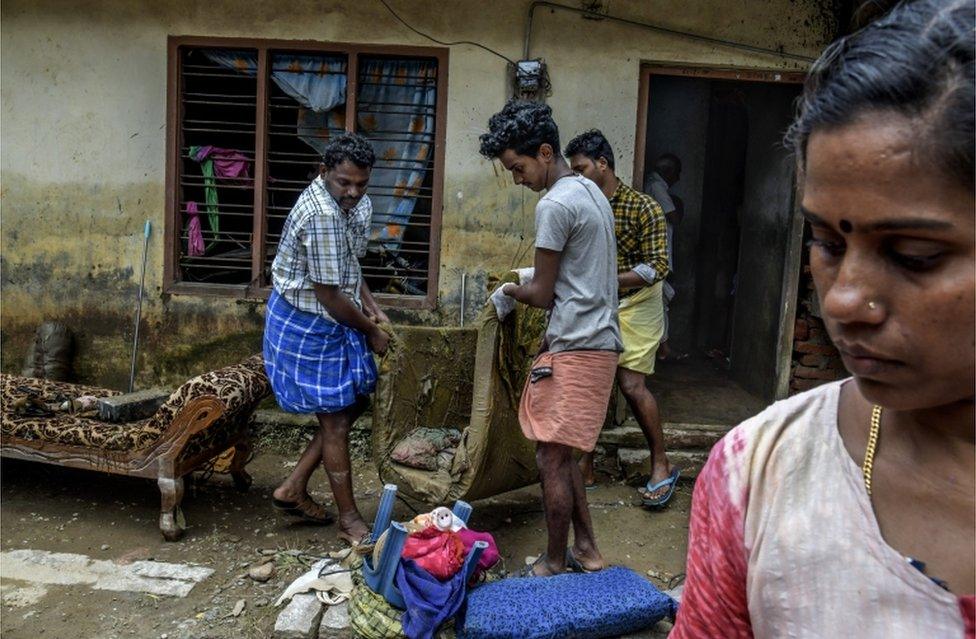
(503, 303)
(525, 274)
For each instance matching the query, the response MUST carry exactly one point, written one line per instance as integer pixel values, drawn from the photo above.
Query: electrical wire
(653, 27)
(447, 44)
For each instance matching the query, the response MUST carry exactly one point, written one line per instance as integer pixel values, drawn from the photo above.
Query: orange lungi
(570, 406)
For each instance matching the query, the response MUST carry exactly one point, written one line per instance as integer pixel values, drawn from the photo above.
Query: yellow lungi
(641, 317)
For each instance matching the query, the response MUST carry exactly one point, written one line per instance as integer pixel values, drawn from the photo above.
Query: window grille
(248, 120)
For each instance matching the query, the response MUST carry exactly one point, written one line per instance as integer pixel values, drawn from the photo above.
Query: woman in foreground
(849, 510)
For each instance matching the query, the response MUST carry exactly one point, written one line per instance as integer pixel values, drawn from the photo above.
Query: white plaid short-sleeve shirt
(321, 244)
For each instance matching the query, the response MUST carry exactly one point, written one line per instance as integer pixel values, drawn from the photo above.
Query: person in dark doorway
(665, 173)
(565, 399)
(323, 326)
(848, 509)
(642, 265)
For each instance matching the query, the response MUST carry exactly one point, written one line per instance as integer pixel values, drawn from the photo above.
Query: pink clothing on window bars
(783, 541)
(194, 243)
(227, 163)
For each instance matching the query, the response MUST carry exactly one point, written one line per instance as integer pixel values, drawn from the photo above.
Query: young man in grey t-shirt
(565, 399)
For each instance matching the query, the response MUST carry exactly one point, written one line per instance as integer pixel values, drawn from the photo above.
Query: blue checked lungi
(315, 365)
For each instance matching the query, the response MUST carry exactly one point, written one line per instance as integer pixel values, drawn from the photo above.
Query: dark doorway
(734, 250)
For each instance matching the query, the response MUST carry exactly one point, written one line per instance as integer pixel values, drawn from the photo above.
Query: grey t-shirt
(575, 218)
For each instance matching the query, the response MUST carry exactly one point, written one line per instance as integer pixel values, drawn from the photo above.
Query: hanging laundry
(439, 552)
(194, 240)
(430, 601)
(223, 163)
(227, 163)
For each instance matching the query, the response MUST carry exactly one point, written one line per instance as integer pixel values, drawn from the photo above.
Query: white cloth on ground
(331, 580)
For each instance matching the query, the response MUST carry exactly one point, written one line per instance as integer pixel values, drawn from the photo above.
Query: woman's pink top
(784, 541)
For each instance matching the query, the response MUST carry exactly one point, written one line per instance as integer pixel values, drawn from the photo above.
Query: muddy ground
(107, 517)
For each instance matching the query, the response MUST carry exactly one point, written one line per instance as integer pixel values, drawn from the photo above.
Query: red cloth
(227, 163)
(441, 553)
(194, 243)
(714, 601)
(967, 604)
(489, 557)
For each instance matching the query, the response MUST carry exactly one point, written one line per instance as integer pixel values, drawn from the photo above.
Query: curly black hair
(522, 126)
(917, 61)
(348, 146)
(593, 145)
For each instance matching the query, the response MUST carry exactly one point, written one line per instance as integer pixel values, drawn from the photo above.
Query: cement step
(676, 435)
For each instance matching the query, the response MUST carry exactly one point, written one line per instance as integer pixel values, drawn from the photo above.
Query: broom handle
(142, 286)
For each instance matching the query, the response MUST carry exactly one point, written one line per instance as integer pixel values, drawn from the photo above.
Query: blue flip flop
(671, 481)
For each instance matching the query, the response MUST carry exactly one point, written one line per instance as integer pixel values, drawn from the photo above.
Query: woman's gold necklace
(868, 464)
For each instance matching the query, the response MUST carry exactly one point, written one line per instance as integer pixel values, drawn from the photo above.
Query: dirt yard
(113, 518)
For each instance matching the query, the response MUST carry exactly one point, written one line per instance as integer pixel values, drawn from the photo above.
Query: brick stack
(815, 360)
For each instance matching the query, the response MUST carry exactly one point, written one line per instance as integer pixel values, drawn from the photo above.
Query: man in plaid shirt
(323, 327)
(642, 265)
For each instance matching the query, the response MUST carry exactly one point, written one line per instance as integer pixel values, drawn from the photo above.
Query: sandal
(305, 509)
(575, 565)
(529, 570)
(671, 481)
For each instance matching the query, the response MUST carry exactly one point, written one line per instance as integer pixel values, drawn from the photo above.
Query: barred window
(247, 123)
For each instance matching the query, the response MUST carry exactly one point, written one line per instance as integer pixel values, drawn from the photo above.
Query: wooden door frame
(794, 252)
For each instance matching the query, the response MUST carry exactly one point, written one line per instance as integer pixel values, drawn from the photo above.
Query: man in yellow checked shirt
(642, 265)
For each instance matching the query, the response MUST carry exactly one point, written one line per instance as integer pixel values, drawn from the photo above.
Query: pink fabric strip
(195, 245)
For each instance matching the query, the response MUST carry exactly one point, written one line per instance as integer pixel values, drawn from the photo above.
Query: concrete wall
(82, 99)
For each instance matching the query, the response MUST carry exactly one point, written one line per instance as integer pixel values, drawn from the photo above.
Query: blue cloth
(315, 365)
(607, 603)
(430, 602)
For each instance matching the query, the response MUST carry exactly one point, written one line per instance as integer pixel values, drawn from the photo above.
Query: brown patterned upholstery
(241, 387)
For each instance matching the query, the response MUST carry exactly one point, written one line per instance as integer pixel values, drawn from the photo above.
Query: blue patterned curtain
(395, 111)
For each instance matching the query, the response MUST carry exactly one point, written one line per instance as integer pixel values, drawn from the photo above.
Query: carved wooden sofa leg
(242, 453)
(171, 521)
(198, 414)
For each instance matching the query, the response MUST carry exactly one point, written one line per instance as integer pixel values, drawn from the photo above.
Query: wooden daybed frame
(160, 462)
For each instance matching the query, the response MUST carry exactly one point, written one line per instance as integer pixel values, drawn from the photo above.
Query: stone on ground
(261, 572)
(335, 622)
(154, 577)
(300, 618)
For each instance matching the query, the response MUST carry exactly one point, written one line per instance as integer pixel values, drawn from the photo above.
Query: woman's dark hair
(348, 146)
(917, 61)
(522, 126)
(591, 144)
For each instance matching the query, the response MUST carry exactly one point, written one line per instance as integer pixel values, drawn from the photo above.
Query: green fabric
(372, 617)
(210, 192)
(444, 377)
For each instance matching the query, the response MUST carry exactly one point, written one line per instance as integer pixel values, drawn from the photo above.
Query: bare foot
(589, 558)
(586, 469)
(287, 492)
(352, 528)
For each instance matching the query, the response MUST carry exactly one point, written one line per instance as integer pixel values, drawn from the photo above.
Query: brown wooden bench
(206, 416)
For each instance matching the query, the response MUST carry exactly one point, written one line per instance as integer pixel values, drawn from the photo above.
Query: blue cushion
(608, 603)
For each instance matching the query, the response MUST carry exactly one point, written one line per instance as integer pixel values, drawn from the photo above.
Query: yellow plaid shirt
(642, 231)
